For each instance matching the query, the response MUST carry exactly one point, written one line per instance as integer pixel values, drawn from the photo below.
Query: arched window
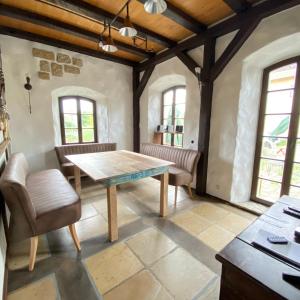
(77, 120)
(173, 110)
(277, 158)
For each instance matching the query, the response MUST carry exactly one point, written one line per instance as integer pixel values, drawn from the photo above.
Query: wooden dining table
(116, 167)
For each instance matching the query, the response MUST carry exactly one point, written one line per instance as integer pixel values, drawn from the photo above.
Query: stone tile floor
(154, 259)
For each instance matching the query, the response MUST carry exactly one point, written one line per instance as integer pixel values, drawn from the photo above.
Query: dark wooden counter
(250, 273)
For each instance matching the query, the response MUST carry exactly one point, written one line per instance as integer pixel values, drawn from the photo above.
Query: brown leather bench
(38, 203)
(67, 167)
(185, 163)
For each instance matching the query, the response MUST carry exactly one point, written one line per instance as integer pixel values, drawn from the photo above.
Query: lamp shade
(155, 6)
(128, 30)
(109, 45)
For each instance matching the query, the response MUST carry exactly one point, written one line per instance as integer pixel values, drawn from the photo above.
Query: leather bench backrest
(183, 158)
(62, 151)
(13, 188)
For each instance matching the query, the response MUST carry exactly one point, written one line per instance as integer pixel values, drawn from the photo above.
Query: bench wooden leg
(73, 232)
(190, 191)
(112, 213)
(33, 248)
(175, 200)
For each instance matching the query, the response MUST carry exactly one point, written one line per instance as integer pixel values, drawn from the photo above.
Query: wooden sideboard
(251, 273)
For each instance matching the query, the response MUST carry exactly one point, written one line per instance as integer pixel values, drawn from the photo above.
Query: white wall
(235, 102)
(170, 73)
(35, 134)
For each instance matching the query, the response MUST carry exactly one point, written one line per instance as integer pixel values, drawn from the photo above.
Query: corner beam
(188, 61)
(205, 114)
(233, 47)
(138, 86)
(210, 71)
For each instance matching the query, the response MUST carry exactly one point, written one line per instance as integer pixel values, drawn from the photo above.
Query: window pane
(87, 121)
(296, 175)
(167, 112)
(178, 140)
(297, 151)
(279, 102)
(86, 107)
(168, 98)
(268, 190)
(179, 122)
(71, 136)
(179, 110)
(167, 121)
(69, 106)
(282, 78)
(167, 139)
(274, 148)
(88, 135)
(294, 192)
(276, 125)
(180, 95)
(271, 169)
(70, 121)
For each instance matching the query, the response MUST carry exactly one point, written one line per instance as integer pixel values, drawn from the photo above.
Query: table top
(263, 266)
(105, 165)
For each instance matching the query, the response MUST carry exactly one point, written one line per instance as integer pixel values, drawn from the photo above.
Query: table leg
(112, 213)
(164, 181)
(77, 179)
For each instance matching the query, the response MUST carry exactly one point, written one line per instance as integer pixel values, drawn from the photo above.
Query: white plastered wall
(235, 103)
(36, 135)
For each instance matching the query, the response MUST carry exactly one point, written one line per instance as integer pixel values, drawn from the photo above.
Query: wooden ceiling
(76, 25)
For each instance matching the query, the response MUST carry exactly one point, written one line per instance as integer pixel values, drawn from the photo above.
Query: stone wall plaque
(44, 66)
(43, 54)
(63, 58)
(44, 75)
(56, 70)
(71, 69)
(77, 62)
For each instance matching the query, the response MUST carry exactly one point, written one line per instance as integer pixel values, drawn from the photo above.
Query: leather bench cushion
(55, 201)
(62, 151)
(178, 176)
(68, 169)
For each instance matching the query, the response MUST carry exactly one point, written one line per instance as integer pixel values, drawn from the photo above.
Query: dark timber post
(205, 113)
(138, 86)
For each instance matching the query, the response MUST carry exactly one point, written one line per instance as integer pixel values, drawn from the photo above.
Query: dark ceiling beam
(233, 47)
(238, 5)
(188, 61)
(40, 20)
(181, 18)
(87, 10)
(143, 82)
(63, 45)
(260, 11)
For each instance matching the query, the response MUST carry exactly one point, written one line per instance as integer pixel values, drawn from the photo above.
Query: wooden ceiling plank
(96, 13)
(37, 19)
(177, 15)
(238, 5)
(260, 11)
(62, 44)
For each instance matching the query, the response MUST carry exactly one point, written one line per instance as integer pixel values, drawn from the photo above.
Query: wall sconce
(198, 75)
(28, 87)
